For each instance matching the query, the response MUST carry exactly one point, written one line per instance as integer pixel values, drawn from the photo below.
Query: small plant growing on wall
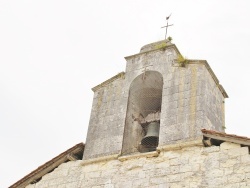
(162, 45)
(181, 61)
(170, 39)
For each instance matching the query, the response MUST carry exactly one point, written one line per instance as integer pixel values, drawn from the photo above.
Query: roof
(216, 138)
(74, 153)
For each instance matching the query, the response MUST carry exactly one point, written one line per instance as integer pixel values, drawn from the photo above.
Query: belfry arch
(142, 121)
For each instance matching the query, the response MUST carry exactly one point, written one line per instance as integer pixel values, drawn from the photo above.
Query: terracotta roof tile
(226, 137)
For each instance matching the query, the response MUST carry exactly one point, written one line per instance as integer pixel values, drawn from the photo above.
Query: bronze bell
(152, 136)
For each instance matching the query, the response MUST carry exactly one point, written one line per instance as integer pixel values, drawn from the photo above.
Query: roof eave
(226, 137)
(49, 166)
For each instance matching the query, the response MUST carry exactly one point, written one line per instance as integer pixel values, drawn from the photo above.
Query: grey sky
(52, 52)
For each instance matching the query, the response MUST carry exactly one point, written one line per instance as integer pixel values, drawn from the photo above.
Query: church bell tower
(161, 98)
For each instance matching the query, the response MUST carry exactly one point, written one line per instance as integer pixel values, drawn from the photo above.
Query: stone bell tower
(160, 99)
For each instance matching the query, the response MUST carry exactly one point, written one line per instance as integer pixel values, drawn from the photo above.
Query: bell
(152, 136)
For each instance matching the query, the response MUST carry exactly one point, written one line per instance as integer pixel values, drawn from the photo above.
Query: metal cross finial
(167, 26)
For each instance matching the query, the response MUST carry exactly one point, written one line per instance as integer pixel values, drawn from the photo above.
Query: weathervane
(167, 26)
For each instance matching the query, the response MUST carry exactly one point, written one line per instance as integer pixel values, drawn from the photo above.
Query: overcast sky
(52, 52)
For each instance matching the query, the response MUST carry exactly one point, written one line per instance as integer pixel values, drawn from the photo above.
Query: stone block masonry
(227, 166)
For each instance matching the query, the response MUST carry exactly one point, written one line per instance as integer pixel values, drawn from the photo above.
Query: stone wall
(227, 166)
(192, 100)
(213, 103)
(106, 120)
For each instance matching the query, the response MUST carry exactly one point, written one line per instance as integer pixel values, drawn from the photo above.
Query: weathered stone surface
(229, 145)
(194, 167)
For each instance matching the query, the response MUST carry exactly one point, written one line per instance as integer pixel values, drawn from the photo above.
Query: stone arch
(145, 98)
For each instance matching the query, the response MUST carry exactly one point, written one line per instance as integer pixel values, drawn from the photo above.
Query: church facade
(158, 124)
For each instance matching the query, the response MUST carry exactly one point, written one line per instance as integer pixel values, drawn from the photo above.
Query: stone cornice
(99, 159)
(120, 158)
(177, 146)
(153, 50)
(180, 145)
(139, 155)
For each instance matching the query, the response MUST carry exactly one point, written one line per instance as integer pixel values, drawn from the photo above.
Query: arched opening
(142, 124)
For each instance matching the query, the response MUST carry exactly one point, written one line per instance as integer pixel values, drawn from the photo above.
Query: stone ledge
(99, 159)
(179, 146)
(120, 158)
(156, 153)
(139, 155)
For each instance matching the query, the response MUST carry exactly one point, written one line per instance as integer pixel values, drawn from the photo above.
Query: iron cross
(167, 26)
